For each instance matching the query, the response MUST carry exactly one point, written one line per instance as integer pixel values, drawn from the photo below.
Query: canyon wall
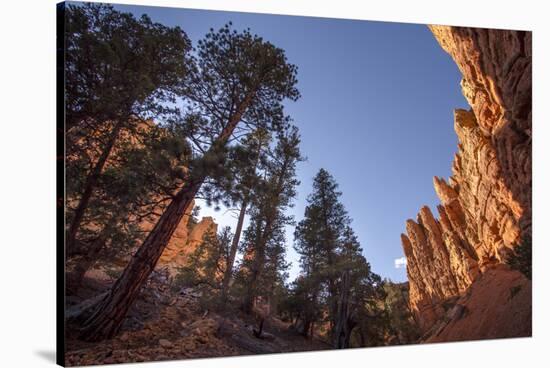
(485, 208)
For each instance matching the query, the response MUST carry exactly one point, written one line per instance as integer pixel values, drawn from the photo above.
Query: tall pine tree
(236, 84)
(247, 158)
(265, 237)
(319, 237)
(336, 284)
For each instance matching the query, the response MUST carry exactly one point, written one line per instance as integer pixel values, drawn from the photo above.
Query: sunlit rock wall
(485, 208)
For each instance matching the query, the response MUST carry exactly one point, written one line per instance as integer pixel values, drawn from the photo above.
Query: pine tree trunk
(237, 236)
(257, 266)
(256, 269)
(333, 302)
(110, 312)
(248, 303)
(91, 182)
(233, 251)
(341, 333)
(261, 244)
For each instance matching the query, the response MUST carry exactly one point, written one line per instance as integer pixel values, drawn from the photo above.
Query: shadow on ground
(48, 355)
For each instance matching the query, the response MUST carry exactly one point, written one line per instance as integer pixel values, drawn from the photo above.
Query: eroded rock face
(178, 242)
(485, 206)
(497, 79)
(185, 241)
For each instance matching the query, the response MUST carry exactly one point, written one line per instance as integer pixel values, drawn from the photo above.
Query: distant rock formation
(485, 206)
(184, 241)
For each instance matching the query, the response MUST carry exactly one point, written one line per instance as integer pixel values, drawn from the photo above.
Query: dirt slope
(498, 305)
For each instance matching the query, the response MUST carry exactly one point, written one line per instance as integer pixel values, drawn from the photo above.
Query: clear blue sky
(376, 112)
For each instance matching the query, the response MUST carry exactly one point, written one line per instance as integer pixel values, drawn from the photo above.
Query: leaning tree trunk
(233, 251)
(89, 185)
(110, 312)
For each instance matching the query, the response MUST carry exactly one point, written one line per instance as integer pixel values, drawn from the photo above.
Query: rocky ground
(165, 325)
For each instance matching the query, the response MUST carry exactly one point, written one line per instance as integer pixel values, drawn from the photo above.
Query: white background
(27, 181)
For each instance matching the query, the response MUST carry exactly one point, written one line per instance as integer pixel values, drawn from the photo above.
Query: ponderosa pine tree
(236, 84)
(119, 71)
(265, 237)
(336, 280)
(318, 237)
(245, 159)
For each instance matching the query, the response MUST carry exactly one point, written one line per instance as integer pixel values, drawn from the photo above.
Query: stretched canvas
(240, 183)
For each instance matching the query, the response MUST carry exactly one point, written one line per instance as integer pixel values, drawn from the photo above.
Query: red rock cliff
(185, 241)
(485, 206)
